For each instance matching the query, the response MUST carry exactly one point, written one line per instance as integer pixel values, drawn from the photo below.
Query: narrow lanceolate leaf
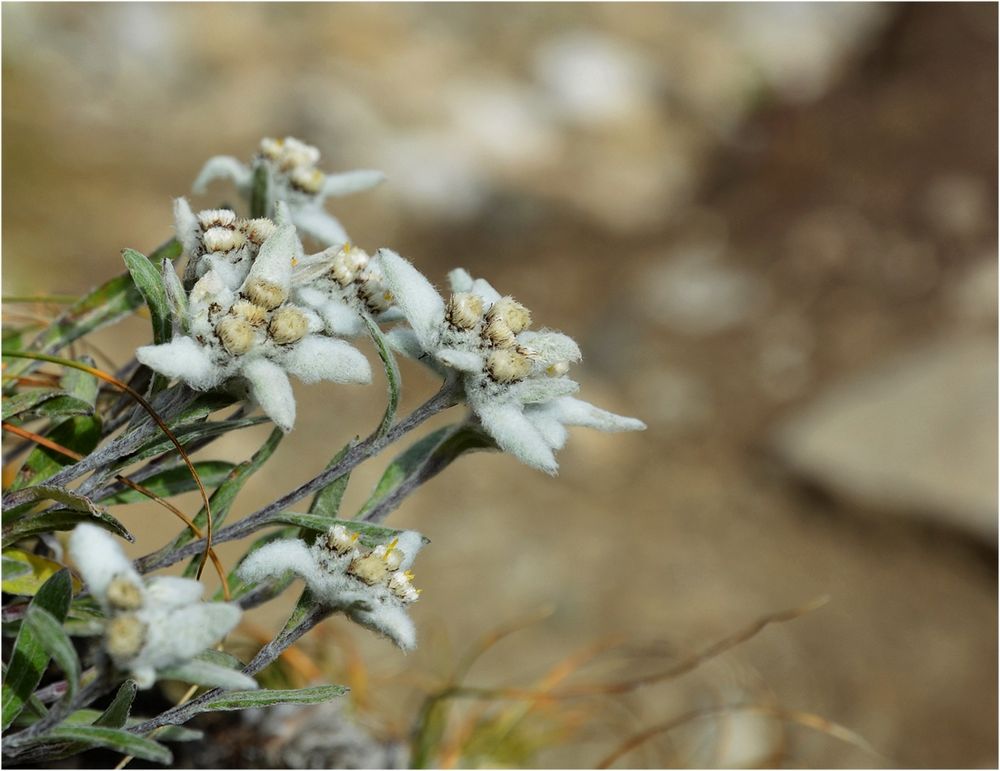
(30, 657)
(61, 519)
(176, 481)
(115, 739)
(427, 456)
(80, 393)
(39, 571)
(68, 498)
(149, 282)
(371, 535)
(116, 715)
(80, 434)
(238, 700)
(391, 374)
(55, 641)
(326, 502)
(260, 192)
(190, 432)
(108, 303)
(209, 675)
(176, 298)
(27, 400)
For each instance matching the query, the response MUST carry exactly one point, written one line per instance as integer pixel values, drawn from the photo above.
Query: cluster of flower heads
(152, 625)
(373, 587)
(290, 166)
(259, 309)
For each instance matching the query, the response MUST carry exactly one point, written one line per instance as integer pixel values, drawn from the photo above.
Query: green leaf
(79, 395)
(371, 535)
(238, 700)
(260, 192)
(85, 618)
(208, 674)
(326, 502)
(175, 481)
(56, 642)
(107, 304)
(40, 570)
(116, 715)
(149, 282)
(29, 657)
(434, 451)
(115, 739)
(61, 519)
(14, 568)
(26, 400)
(80, 434)
(391, 373)
(190, 432)
(68, 498)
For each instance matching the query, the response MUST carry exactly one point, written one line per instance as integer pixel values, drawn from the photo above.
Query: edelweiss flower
(372, 587)
(514, 379)
(151, 625)
(342, 284)
(295, 179)
(216, 239)
(255, 333)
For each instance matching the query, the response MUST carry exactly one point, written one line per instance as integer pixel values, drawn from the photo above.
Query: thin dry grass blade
(109, 378)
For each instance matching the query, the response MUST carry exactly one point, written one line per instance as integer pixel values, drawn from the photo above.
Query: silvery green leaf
(115, 739)
(150, 283)
(209, 675)
(240, 700)
(60, 519)
(50, 635)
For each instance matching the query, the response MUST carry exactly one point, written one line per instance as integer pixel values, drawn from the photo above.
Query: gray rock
(917, 435)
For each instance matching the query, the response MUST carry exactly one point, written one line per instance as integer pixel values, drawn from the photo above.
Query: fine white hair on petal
(415, 295)
(514, 433)
(173, 591)
(186, 226)
(541, 389)
(405, 341)
(222, 167)
(174, 635)
(99, 559)
(575, 412)
(485, 289)
(550, 347)
(274, 261)
(316, 358)
(271, 389)
(316, 222)
(389, 619)
(275, 558)
(340, 319)
(466, 361)
(350, 182)
(144, 676)
(552, 431)
(410, 542)
(184, 359)
(460, 280)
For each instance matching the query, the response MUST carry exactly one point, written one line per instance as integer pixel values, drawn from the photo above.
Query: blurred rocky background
(772, 228)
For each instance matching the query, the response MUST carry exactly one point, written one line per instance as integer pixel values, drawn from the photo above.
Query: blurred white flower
(371, 587)
(291, 165)
(152, 625)
(253, 332)
(514, 379)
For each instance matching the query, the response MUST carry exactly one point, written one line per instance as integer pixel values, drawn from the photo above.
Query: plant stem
(374, 443)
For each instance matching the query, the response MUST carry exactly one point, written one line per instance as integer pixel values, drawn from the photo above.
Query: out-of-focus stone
(696, 294)
(917, 435)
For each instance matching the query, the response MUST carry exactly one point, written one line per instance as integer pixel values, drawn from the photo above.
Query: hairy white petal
(415, 295)
(338, 317)
(186, 226)
(466, 361)
(550, 347)
(173, 591)
(271, 389)
(390, 619)
(515, 433)
(222, 167)
(316, 358)
(318, 223)
(575, 412)
(553, 432)
(99, 559)
(348, 182)
(275, 558)
(484, 289)
(541, 389)
(184, 359)
(460, 280)
(175, 635)
(274, 261)
(410, 542)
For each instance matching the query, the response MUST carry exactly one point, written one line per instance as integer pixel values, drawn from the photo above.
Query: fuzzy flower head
(295, 179)
(343, 284)
(152, 625)
(254, 332)
(372, 586)
(514, 378)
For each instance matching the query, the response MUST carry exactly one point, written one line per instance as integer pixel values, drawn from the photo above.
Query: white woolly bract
(99, 559)
(173, 591)
(182, 358)
(275, 558)
(271, 389)
(415, 296)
